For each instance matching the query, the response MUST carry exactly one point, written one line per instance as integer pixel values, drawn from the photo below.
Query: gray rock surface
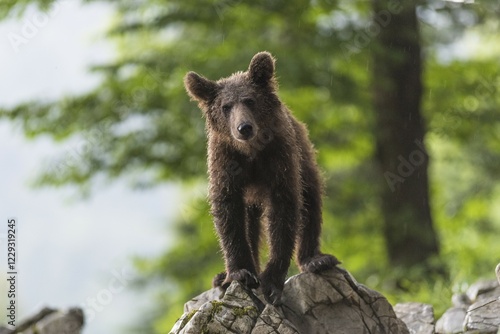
(328, 303)
(50, 321)
(272, 320)
(483, 290)
(452, 321)
(483, 317)
(475, 311)
(67, 322)
(417, 316)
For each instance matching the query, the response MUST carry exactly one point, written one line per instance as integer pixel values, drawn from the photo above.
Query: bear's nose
(246, 130)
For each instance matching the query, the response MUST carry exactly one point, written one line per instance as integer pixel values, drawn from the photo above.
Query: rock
(272, 320)
(452, 321)
(328, 303)
(197, 302)
(483, 317)
(483, 290)
(477, 311)
(460, 300)
(418, 317)
(334, 303)
(236, 312)
(67, 322)
(50, 321)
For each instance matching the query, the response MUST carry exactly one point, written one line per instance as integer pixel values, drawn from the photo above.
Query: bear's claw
(218, 279)
(242, 275)
(272, 294)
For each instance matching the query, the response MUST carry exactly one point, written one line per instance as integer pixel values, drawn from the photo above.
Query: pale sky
(70, 251)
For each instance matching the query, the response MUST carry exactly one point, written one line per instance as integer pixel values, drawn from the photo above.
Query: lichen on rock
(331, 302)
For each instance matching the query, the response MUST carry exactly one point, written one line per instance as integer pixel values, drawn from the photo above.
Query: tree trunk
(401, 153)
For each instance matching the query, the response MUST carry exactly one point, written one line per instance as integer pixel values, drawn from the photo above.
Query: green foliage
(462, 106)
(17, 7)
(138, 123)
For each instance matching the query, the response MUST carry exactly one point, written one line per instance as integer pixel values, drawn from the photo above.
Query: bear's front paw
(272, 293)
(242, 275)
(272, 288)
(218, 279)
(319, 263)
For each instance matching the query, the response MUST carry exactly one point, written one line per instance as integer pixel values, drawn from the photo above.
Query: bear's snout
(245, 131)
(243, 125)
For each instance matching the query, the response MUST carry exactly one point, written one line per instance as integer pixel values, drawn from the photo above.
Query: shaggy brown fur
(262, 168)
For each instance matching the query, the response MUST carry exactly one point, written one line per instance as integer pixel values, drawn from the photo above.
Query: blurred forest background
(401, 99)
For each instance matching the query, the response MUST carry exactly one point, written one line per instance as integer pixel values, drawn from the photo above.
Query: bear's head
(242, 107)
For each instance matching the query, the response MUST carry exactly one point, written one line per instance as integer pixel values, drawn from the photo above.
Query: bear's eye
(226, 109)
(249, 102)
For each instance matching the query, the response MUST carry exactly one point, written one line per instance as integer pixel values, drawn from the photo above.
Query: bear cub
(262, 171)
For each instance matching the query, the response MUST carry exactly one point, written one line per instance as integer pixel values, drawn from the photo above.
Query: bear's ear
(261, 69)
(200, 88)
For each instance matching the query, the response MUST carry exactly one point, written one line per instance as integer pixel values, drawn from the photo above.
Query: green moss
(241, 311)
(237, 311)
(188, 318)
(217, 306)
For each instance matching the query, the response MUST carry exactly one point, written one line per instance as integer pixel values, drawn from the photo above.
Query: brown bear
(262, 169)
